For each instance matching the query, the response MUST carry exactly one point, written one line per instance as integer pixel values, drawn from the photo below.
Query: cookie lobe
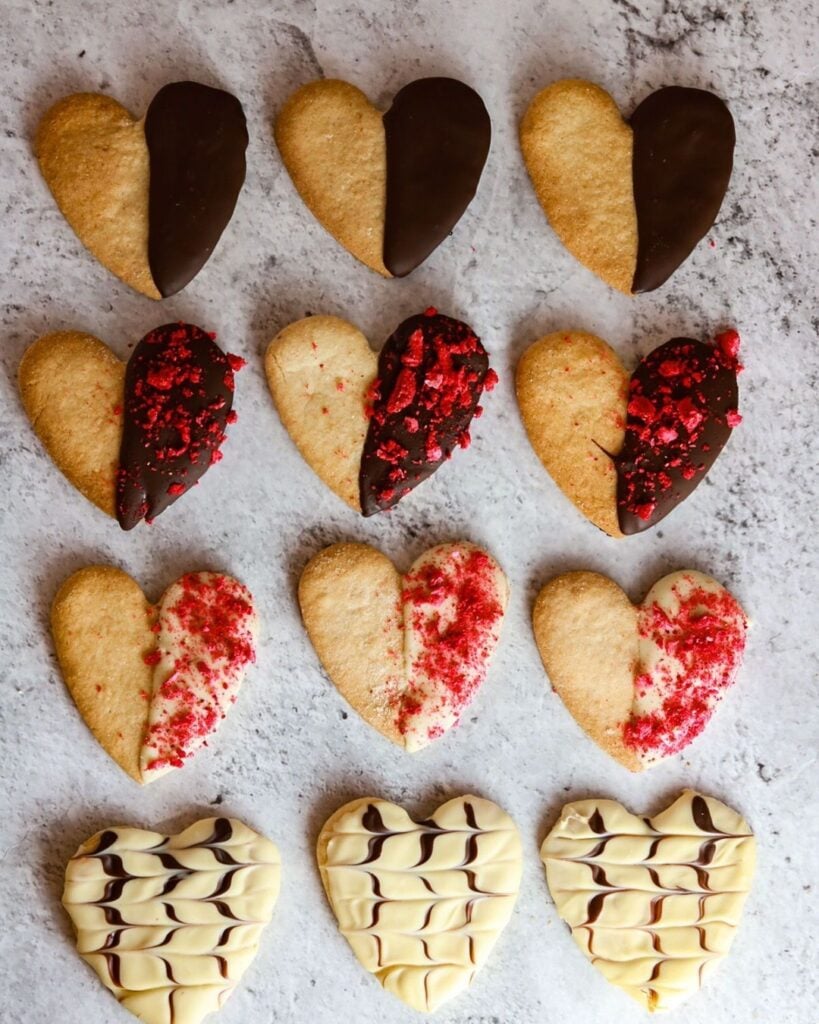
(431, 374)
(178, 397)
(682, 407)
(682, 160)
(437, 137)
(196, 137)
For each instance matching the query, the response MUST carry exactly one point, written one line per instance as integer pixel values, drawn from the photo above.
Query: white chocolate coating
(654, 903)
(437, 679)
(171, 923)
(203, 654)
(677, 676)
(421, 904)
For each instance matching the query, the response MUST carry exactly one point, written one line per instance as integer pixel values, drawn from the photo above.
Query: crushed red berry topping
(454, 610)
(207, 638)
(696, 652)
(431, 374)
(178, 396)
(682, 406)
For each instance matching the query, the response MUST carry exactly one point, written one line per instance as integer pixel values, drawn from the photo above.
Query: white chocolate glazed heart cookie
(653, 903)
(421, 904)
(642, 681)
(171, 923)
(408, 652)
(153, 683)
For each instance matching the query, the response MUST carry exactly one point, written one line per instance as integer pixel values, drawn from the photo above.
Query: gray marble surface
(291, 753)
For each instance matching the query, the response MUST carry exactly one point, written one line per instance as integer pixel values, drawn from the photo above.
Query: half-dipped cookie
(642, 680)
(149, 198)
(626, 450)
(153, 682)
(408, 651)
(132, 437)
(371, 426)
(389, 187)
(629, 198)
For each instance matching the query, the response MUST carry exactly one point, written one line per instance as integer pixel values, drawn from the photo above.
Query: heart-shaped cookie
(390, 188)
(133, 438)
(630, 200)
(374, 427)
(642, 681)
(626, 450)
(653, 903)
(408, 652)
(149, 198)
(153, 682)
(422, 904)
(171, 923)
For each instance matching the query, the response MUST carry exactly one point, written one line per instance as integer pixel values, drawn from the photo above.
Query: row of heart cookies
(170, 923)
(625, 448)
(151, 197)
(409, 652)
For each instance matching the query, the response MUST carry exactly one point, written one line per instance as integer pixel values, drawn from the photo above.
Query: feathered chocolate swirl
(653, 902)
(170, 923)
(421, 904)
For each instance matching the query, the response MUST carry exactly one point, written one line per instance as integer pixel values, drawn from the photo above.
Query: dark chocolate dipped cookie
(629, 198)
(628, 449)
(135, 437)
(390, 188)
(374, 427)
(149, 198)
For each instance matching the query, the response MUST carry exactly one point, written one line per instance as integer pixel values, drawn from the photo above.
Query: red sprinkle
(210, 622)
(707, 639)
(454, 610)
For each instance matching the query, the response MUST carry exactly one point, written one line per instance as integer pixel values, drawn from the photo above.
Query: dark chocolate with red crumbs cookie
(431, 374)
(682, 407)
(178, 397)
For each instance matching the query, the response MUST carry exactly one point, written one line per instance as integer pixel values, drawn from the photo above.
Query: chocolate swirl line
(640, 899)
(122, 882)
(435, 893)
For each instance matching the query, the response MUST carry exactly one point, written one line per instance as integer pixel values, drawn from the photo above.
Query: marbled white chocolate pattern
(421, 904)
(171, 923)
(653, 902)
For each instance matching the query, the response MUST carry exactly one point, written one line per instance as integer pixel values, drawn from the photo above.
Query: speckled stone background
(291, 753)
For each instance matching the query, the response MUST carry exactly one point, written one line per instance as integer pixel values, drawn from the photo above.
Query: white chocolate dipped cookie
(153, 682)
(171, 923)
(654, 903)
(642, 680)
(409, 652)
(421, 904)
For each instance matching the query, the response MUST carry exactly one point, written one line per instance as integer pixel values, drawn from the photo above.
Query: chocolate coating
(681, 398)
(431, 374)
(178, 397)
(683, 155)
(197, 137)
(437, 133)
